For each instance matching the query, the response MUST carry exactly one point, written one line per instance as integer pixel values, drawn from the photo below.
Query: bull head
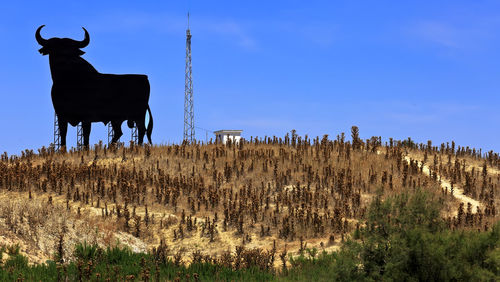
(61, 46)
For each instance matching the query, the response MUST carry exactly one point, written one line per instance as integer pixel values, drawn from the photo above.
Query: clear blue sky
(429, 70)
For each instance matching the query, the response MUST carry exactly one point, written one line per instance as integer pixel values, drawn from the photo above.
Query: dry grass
(272, 194)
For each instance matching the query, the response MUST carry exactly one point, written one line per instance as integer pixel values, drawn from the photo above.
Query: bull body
(81, 94)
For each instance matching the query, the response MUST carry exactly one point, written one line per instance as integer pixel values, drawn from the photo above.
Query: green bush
(118, 264)
(86, 252)
(406, 240)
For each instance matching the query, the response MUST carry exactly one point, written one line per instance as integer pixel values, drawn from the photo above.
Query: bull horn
(39, 38)
(85, 41)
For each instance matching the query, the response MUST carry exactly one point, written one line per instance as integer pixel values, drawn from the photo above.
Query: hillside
(280, 195)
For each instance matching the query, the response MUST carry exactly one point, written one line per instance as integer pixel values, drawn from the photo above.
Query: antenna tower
(188, 93)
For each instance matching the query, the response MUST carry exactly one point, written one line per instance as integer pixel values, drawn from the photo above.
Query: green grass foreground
(404, 239)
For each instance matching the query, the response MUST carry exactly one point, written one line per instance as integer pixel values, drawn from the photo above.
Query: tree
(356, 142)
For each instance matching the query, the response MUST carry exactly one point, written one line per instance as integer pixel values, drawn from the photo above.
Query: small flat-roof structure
(222, 136)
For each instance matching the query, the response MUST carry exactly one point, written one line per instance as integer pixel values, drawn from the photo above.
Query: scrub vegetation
(290, 208)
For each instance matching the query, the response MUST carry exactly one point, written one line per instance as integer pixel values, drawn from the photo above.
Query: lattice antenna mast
(188, 93)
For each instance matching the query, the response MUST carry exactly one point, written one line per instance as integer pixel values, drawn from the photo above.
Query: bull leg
(63, 129)
(141, 127)
(117, 129)
(86, 126)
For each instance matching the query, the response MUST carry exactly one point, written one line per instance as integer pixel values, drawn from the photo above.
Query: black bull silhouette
(81, 94)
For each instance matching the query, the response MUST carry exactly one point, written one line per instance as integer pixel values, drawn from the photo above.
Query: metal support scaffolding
(111, 133)
(134, 136)
(188, 93)
(79, 136)
(57, 134)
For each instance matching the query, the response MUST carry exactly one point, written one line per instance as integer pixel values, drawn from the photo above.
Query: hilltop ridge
(281, 194)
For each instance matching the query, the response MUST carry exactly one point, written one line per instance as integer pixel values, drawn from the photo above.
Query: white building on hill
(222, 136)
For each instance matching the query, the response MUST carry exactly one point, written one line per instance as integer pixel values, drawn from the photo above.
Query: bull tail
(149, 129)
